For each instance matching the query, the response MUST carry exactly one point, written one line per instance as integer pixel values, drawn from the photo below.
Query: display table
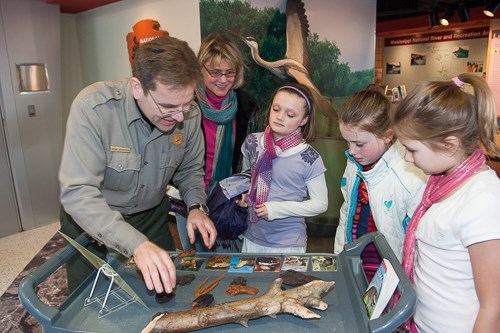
(345, 313)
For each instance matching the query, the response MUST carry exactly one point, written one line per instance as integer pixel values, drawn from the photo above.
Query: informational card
(324, 263)
(297, 263)
(267, 264)
(380, 289)
(190, 264)
(242, 265)
(218, 263)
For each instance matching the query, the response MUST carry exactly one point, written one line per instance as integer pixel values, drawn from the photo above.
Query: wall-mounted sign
(436, 37)
(142, 32)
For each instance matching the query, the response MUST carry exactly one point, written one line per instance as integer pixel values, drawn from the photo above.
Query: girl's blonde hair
(435, 110)
(308, 130)
(368, 110)
(215, 48)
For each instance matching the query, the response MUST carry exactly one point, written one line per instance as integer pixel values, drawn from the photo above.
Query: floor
(17, 250)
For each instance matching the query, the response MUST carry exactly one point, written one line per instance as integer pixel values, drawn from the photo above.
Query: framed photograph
(393, 68)
(395, 94)
(402, 91)
(418, 59)
(474, 66)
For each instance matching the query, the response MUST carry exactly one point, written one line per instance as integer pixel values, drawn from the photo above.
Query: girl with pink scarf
(452, 246)
(288, 175)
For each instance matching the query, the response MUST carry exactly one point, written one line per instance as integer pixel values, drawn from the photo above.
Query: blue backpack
(230, 219)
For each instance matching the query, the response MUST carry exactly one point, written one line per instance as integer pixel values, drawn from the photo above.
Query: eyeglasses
(171, 113)
(217, 74)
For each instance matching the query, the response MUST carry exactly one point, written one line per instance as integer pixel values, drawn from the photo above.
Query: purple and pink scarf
(262, 175)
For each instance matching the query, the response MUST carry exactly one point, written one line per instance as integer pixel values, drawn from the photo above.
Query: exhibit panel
(410, 59)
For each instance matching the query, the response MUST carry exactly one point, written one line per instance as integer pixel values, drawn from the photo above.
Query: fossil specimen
(234, 290)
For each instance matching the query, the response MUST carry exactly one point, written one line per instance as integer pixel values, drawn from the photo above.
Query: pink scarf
(437, 187)
(263, 173)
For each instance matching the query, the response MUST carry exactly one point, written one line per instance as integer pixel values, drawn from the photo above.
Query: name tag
(120, 149)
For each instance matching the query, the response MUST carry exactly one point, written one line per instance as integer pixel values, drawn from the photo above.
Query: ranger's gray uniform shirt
(114, 163)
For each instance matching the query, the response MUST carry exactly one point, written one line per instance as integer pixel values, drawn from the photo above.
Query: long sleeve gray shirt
(114, 163)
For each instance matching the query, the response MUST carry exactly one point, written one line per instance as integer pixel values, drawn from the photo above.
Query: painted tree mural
(268, 27)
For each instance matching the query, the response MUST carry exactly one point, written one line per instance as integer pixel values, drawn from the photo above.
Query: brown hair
(215, 48)
(308, 130)
(368, 110)
(167, 60)
(436, 110)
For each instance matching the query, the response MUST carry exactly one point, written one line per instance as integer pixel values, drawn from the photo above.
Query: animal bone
(164, 297)
(294, 301)
(294, 278)
(204, 289)
(234, 290)
(185, 279)
(202, 301)
(187, 253)
(239, 281)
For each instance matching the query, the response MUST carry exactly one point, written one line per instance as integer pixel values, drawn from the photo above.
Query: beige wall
(93, 43)
(71, 72)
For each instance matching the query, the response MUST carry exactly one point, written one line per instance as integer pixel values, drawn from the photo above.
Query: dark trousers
(153, 223)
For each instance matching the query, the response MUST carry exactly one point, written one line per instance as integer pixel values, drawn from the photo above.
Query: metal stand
(110, 273)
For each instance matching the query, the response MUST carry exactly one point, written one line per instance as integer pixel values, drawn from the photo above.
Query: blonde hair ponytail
(486, 113)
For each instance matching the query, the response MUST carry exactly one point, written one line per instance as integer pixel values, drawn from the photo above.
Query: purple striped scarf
(262, 175)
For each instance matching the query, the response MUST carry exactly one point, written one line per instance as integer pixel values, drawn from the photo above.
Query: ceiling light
(448, 13)
(491, 7)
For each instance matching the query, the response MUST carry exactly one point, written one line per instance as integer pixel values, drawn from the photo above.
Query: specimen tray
(345, 312)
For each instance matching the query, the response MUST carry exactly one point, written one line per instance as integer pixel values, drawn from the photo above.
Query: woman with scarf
(288, 175)
(229, 114)
(452, 244)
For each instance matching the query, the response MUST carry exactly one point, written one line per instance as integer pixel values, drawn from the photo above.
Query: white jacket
(395, 188)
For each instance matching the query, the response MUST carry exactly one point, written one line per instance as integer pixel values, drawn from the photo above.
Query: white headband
(301, 94)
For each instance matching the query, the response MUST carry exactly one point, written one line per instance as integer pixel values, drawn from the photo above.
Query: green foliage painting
(333, 78)
(268, 26)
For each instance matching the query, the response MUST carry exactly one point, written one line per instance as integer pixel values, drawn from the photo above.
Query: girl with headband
(452, 244)
(288, 175)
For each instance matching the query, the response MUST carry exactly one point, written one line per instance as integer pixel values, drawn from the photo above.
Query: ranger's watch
(202, 207)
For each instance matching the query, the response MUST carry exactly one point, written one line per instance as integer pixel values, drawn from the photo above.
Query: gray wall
(31, 34)
(10, 222)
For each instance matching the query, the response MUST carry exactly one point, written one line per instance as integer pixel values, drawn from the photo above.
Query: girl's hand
(241, 202)
(261, 211)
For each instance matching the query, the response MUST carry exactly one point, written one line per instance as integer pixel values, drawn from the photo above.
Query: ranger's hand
(156, 266)
(197, 220)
